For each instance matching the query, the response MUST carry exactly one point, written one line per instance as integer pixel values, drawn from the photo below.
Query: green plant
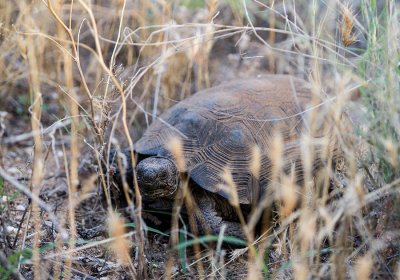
(4, 194)
(381, 94)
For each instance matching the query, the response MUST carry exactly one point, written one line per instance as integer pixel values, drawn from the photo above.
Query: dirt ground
(237, 56)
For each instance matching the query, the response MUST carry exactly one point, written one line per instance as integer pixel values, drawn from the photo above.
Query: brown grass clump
(346, 25)
(81, 78)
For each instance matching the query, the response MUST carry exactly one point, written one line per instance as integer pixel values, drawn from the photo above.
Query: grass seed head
(288, 196)
(358, 183)
(174, 145)
(363, 267)
(346, 25)
(120, 245)
(300, 271)
(229, 187)
(276, 154)
(255, 163)
(391, 151)
(307, 227)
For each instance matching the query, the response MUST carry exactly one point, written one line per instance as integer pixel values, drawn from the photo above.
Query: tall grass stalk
(32, 53)
(114, 64)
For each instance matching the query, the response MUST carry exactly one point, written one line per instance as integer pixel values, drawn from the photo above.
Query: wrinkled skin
(157, 177)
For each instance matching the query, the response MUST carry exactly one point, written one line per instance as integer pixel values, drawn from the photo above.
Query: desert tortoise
(218, 128)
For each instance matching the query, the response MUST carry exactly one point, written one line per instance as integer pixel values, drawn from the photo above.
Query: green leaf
(208, 238)
(182, 239)
(147, 228)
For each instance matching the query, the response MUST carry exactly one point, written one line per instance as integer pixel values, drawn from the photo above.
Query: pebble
(20, 208)
(13, 171)
(11, 229)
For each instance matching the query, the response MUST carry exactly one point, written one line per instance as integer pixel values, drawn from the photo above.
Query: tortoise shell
(219, 127)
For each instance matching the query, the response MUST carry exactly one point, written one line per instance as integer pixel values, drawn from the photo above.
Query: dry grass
(80, 78)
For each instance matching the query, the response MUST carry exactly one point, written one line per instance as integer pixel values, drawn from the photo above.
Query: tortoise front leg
(210, 222)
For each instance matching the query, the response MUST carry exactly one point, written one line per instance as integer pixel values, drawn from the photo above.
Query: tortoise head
(157, 177)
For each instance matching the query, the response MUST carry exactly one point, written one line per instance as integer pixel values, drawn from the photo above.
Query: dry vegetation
(78, 78)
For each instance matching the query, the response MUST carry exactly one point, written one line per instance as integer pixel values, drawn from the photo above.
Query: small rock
(20, 207)
(175, 269)
(13, 171)
(11, 229)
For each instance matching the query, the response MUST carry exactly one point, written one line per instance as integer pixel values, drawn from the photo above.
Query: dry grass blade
(37, 174)
(182, 196)
(79, 76)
